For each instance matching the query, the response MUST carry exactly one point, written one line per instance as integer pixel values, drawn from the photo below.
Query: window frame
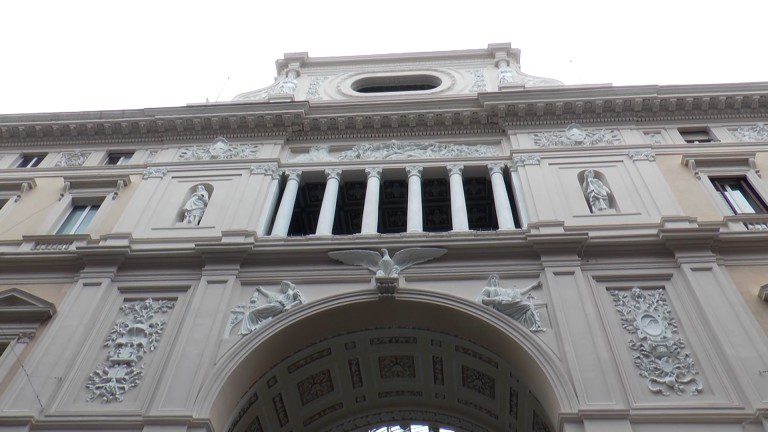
(35, 157)
(80, 220)
(747, 187)
(124, 158)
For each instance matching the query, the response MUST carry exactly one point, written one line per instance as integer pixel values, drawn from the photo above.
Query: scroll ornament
(659, 349)
(129, 341)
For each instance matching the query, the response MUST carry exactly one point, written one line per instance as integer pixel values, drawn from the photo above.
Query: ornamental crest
(576, 136)
(659, 349)
(219, 149)
(754, 133)
(72, 159)
(128, 341)
(398, 150)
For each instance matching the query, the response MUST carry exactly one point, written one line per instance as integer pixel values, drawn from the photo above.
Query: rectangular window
(30, 161)
(696, 136)
(739, 195)
(78, 219)
(118, 158)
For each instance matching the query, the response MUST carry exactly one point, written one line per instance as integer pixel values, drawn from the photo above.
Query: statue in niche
(195, 206)
(596, 193)
(253, 315)
(512, 303)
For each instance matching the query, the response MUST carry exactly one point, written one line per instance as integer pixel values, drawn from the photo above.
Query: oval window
(396, 83)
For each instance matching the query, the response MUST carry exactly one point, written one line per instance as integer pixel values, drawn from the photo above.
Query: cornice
(484, 113)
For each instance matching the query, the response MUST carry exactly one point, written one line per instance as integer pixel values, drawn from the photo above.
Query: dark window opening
(30, 161)
(696, 136)
(512, 203)
(306, 210)
(349, 208)
(397, 83)
(481, 211)
(118, 158)
(393, 207)
(436, 205)
(739, 195)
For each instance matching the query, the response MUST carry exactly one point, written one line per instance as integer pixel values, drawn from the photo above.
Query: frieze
(397, 150)
(659, 350)
(754, 133)
(322, 413)
(220, 149)
(129, 341)
(355, 374)
(154, 172)
(313, 91)
(72, 159)
(527, 159)
(478, 80)
(637, 155)
(280, 410)
(293, 367)
(576, 136)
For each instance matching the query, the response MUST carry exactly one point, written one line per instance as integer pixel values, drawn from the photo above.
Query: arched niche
(610, 200)
(233, 387)
(192, 191)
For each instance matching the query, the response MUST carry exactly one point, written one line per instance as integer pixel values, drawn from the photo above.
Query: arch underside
(352, 362)
(395, 375)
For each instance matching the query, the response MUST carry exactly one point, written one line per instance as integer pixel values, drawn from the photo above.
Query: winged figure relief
(381, 264)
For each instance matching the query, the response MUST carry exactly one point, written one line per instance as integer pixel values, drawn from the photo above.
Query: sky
(78, 55)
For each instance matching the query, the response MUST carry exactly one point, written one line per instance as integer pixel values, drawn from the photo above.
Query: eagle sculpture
(384, 266)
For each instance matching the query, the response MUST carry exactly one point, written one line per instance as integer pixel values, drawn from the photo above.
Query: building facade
(425, 242)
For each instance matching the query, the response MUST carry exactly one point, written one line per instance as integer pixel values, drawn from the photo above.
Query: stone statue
(253, 315)
(511, 303)
(287, 85)
(384, 266)
(196, 205)
(596, 192)
(506, 74)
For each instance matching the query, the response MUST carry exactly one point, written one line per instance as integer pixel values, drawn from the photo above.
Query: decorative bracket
(14, 189)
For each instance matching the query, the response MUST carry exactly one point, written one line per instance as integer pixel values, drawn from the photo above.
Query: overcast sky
(95, 55)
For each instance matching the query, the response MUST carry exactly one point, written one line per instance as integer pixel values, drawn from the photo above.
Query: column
(285, 212)
(458, 204)
(328, 208)
(270, 201)
(415, 223)
(371, 209)
(500, 197)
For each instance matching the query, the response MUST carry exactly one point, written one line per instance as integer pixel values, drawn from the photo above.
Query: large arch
(251, 358)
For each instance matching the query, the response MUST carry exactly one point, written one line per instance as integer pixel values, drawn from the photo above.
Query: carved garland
(128, 341)
(659, 349)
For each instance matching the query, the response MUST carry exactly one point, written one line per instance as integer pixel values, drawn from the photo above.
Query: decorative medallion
(218, 150)
(659, 349)
(129, 341)
(576, 136)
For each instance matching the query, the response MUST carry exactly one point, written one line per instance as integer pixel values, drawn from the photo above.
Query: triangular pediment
(20, 306)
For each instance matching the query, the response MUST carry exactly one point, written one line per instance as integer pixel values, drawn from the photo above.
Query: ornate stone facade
(632, 261)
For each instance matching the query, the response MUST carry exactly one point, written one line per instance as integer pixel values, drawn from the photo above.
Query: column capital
(269, 169)
(373, 172)
(454, 169)
(496, 167)
(333, 173)
(414, 170)
(293, 174)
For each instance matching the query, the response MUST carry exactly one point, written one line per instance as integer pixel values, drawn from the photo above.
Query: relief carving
(72, 159)
(754, 133)
(397, 150)
(510, 302)
(219, 149)
(252, 315)
(659, 349)
(129, 341)
(576, 136)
